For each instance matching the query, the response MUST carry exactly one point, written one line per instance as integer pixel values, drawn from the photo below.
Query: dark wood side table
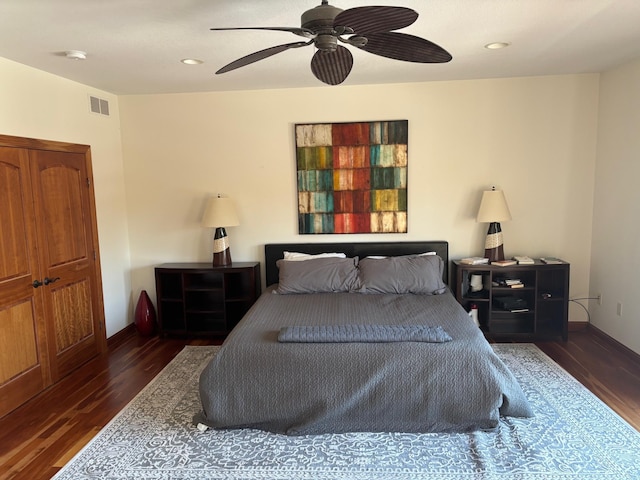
(538, 309)
(196, 299)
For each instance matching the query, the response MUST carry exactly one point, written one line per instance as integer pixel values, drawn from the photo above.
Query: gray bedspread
(314, 388)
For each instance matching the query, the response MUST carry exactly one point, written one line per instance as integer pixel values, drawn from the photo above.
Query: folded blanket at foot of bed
(362, 333)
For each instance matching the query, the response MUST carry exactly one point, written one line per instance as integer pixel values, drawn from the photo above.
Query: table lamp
(493, 210)
(220, 213)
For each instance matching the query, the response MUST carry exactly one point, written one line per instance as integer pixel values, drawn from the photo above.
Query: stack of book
(551, 260)
(474, 261)
(524, 260)
(504, 263)
(507, 282)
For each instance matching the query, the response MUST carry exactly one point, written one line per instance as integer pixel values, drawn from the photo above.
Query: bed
(372, 341)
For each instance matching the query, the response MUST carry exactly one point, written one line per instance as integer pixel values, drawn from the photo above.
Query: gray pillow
(404, 274)
(317, 275)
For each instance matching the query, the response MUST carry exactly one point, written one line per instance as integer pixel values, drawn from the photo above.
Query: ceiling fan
(367, 28)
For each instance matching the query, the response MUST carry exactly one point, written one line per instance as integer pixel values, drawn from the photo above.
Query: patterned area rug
(573, 436)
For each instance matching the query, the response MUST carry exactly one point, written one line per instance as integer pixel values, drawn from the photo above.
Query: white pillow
(297, 256)
(380, 257)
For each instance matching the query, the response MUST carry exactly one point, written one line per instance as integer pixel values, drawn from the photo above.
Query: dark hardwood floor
(38, 438)
(610, 370)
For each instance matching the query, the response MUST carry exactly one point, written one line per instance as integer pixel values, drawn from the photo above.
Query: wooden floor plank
(76, 447)
(38, 438)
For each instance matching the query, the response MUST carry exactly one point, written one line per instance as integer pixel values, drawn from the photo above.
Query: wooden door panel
(63, 220)
(18, 346)
(74, 325)
(73, 314)
(14, 257)
(23, 343)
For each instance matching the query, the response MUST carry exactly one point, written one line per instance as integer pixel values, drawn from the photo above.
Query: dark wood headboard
(275, 251)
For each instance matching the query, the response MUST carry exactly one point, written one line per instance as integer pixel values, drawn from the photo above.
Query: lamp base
(222, 259)
(493, 247)
(221, 250)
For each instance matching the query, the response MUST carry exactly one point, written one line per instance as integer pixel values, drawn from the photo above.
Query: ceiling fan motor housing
(320, 19)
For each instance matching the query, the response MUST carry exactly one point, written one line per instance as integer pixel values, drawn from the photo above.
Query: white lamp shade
(220, 212)
(493, 207)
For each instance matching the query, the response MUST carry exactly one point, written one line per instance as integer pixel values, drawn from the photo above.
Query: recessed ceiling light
(76, 54)
(497, 45)
(191, 61)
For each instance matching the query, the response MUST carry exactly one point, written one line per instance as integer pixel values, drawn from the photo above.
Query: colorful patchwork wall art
(352, 177)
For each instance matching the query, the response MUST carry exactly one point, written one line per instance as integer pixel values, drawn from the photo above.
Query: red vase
(145, 315)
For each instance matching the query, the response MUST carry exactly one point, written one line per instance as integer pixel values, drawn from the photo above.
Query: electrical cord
(575, 300)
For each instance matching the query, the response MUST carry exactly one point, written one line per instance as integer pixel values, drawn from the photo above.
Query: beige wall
(533, 137)
(36, 104)
(615, 258)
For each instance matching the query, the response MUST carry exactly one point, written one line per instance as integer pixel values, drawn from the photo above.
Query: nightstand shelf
(537, 309)
(196, 299)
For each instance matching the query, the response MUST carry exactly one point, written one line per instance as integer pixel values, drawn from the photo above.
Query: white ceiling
(135, 46)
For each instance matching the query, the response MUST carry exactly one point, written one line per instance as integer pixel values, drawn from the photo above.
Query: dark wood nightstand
(538, 309)
(196, 299)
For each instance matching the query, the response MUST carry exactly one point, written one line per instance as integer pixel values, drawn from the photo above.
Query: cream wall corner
(615, 261)
(533, 137)
(39, 105)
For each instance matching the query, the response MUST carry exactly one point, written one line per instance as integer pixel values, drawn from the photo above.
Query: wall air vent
(98, 105)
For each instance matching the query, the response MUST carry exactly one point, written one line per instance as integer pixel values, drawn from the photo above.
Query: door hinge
(94, 255)
(88, 182)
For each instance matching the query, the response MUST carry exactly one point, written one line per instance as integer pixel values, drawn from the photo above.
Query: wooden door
(51, 306)
(67, 258)
(23, 349)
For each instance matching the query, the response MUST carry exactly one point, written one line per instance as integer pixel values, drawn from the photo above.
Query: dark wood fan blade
(375, 19)
(303, 32)
(262, 54)
(409, 48)
(332, 67)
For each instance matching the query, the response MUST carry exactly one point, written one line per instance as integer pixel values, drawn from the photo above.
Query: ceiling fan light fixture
(191, 61)
(326, 43)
